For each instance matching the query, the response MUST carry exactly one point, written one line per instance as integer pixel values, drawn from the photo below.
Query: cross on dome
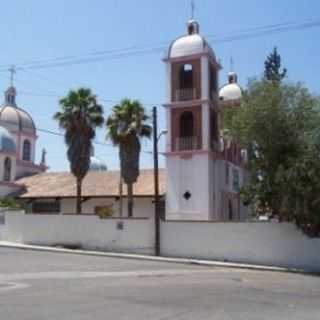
(192, 9)
(11, 93)
(12, 71)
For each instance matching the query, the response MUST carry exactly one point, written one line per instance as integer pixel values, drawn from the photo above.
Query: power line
(57, 96)
(55, 133)
(136, 51)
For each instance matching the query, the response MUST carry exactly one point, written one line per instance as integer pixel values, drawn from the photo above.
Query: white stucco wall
(277, 244)
(13, 166)
(86, 231)
(142, 207)
(2, 221)
(264, 243)
(190, 175)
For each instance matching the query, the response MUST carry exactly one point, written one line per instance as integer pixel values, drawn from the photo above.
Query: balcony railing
(215, 146)
(186, 143)
(186, 94)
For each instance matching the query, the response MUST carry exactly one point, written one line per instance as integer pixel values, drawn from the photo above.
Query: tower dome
(230, 94)
(12, 117)
(190, 44)
(7, 143)
(97, 164)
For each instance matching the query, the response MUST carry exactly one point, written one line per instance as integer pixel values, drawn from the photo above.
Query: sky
(35, 31)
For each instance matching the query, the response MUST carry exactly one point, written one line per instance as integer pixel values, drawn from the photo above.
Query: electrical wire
(133, 51)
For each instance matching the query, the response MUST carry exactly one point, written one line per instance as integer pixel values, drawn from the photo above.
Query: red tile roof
(95, 184)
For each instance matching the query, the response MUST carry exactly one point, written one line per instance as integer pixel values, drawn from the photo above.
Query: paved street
(41, 286)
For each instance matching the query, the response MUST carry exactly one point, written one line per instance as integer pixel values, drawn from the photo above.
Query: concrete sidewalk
(208, 263)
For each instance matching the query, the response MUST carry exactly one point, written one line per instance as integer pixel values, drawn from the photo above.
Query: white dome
(187, 45)
(231, 94)
(190, 44)
(16, 119)
(97, 164)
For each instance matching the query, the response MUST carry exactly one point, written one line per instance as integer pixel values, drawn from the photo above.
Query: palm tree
(126, 126)
(80, 115)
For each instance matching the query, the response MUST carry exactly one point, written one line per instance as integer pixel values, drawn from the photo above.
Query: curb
(207, 263)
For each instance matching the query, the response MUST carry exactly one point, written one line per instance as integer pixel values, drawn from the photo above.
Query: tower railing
(185, 94)
(186, 144)
(215, 145)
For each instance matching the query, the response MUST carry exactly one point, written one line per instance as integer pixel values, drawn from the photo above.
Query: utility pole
(156, 182)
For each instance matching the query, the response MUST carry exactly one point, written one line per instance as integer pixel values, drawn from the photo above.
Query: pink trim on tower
(18, 151)
(9, 184)
(187, 103)
(30, 135)
(32, 165)
(189, 154)
(8, 153)
(24, 133)
(192, 103)
(212, 59)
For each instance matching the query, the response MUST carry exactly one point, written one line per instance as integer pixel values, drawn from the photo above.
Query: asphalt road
(41, 286)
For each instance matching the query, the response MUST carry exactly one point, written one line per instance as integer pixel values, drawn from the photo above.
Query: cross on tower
(231, 64)
(12, 71)
(192, 9)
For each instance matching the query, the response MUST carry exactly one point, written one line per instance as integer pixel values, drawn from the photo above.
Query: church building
(18, 137)
(204, 170)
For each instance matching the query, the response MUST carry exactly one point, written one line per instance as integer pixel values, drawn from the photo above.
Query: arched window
(186, 76)
(230, 210)
(7, 169)
(213, 127)
(186, 125)
(187, 140)
(26, 154)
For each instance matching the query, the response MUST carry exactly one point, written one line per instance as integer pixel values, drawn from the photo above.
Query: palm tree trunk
(130, 200)
(79, 205)
(120, 196)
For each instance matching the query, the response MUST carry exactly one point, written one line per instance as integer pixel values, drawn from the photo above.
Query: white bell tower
(192, 110)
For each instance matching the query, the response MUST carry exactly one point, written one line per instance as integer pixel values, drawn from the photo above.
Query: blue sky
(36, 30)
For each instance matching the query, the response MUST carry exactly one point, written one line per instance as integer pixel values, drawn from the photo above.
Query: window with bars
(7, 169)
(26, 153)
(46, 207)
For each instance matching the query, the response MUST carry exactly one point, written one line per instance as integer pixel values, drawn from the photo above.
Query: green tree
(80, 115)
(276, 124)
(8, 202)
(125, 127)
(302, 180)
(272, 65)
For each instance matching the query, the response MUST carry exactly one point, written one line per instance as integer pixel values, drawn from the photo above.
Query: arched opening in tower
(7, 169)
(214, 134)
(186, 82)
(187, 140)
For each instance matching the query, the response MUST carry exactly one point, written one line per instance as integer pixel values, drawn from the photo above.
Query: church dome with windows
(230, 94)
(190, 44)
(97, 164)
(7, 143)
(12, 117)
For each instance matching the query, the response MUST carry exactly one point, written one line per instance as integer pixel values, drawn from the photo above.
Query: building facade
(204, 171)
(18, 137)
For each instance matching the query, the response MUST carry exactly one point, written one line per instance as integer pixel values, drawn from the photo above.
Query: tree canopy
(127, 124)
(279, 127)
(80, 115)
(272, 66)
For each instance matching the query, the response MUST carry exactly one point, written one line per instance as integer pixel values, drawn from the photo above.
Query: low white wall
(276, 244)
(86, 231)
(1, 224)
